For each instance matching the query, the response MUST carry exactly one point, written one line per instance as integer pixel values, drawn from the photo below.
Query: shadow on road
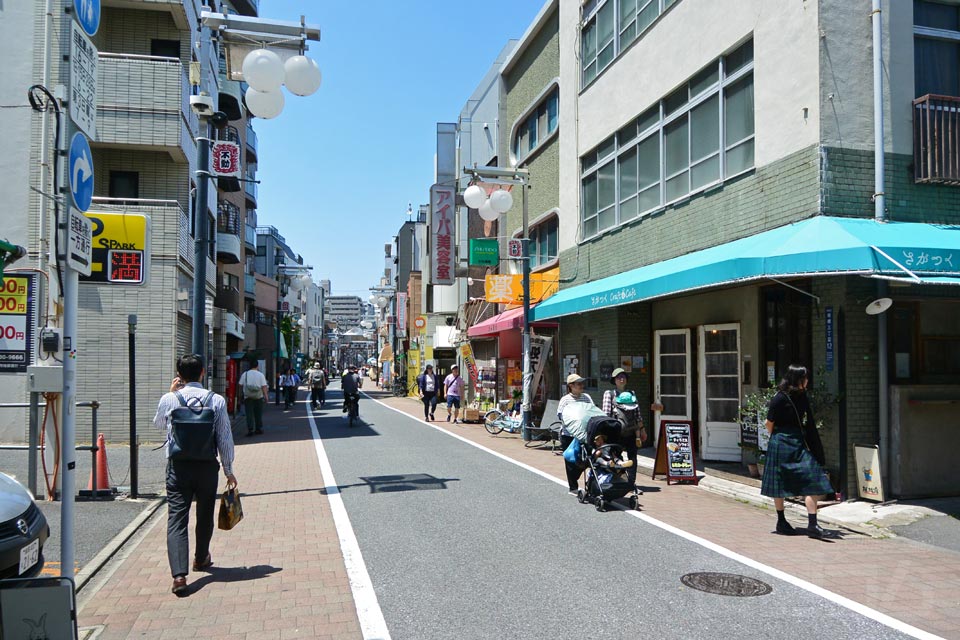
(233, 574)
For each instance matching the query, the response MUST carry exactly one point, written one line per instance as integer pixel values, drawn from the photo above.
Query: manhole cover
(726, 584)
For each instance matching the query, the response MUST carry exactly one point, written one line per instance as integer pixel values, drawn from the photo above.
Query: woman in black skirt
(794, 464)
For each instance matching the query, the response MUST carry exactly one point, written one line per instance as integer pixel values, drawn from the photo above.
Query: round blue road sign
(87, 13)
(81, 172)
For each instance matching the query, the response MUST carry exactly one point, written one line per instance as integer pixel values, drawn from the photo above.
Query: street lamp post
(273, 58)
(499, 202)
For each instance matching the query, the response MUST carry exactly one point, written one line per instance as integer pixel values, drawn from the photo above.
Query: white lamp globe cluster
(266, 73)
(500, 201)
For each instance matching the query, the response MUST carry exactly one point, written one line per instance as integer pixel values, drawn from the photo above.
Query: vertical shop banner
(401, 315)
(225, 159)
(539, 355)
(16, 323)
(466, 353)
(442, 238)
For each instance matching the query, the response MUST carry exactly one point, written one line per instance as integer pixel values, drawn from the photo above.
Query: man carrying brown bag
(198, 428)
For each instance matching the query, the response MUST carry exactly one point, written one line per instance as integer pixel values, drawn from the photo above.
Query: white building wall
(691, 34)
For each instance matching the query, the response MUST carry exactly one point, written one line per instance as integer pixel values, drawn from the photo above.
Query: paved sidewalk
(278, 574)
(912, 582)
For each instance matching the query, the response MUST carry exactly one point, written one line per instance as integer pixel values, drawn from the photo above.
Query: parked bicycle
(401, 389)
(496, 421)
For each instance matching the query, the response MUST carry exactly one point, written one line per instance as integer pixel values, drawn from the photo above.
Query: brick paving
(278, 574)
(268, 583)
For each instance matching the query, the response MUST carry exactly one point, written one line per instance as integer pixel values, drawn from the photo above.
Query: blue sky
(338, 168)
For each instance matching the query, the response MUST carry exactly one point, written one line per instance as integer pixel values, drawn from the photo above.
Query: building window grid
(544, 242)
(609, 153)
(609, 27)
(536, 126)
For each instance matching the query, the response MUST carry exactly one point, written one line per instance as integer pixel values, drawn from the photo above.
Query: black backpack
(194, 437)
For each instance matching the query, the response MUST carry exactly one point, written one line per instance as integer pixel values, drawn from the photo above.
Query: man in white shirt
(193, 479)
(253, 389)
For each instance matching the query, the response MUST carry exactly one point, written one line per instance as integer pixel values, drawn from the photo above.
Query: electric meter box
(45, 379)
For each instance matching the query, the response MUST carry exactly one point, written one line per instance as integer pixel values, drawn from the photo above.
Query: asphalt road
(462, 544)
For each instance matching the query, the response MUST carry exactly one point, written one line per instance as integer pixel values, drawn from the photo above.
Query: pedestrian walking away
(289, 384)
(253, 390)
(318, 381)
(574, 394)
(427, 387)
(795, 456)
(198, 428)
(453, 391)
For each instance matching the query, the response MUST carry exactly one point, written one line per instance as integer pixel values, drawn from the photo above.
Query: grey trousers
(186, 482)
(254, 411)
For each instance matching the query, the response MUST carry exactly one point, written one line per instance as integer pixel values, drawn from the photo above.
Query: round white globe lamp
(487, 213)
(303, 75)
(263, 70)
(501, 201)
(263, 104)
(474, 196)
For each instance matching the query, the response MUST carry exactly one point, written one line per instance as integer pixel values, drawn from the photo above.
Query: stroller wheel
(601, 505)
(635, 503)
(581, 496)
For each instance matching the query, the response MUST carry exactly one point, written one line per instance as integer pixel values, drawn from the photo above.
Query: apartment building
(717, 222)
(144, 155)
(346, 311)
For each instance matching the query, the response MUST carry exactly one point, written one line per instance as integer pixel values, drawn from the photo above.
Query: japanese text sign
(442, 234)
(121, 248)
(225, 159)
(503, 288)
(16, 323)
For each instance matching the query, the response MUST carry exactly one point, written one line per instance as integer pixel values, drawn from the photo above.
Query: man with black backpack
(197, 427)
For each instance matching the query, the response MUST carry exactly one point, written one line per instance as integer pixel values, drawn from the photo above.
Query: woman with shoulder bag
(795, 455)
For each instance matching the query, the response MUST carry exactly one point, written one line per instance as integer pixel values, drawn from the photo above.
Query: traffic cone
(103, 475)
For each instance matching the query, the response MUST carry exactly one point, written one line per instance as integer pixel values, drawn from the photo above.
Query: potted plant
(753, 411)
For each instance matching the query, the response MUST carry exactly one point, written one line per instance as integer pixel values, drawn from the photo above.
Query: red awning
(511, 319)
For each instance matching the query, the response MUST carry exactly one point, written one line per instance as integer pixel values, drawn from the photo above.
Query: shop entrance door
(719, 391)
(671, 376)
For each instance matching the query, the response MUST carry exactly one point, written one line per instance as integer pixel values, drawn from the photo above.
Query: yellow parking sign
(121, 248)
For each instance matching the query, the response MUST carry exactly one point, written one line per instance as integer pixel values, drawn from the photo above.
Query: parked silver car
(23, 531)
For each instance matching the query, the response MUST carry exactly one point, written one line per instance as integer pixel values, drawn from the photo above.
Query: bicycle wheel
(493, 421)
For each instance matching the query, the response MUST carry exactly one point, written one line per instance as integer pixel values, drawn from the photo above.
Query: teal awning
(817, 246)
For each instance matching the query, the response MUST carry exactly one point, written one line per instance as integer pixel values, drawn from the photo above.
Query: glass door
(671, 376)
(719, 347)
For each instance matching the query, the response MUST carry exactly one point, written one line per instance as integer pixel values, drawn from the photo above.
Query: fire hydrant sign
(442, 235)
(16, 322)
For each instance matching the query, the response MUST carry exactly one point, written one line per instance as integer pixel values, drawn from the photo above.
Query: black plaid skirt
(791, 470)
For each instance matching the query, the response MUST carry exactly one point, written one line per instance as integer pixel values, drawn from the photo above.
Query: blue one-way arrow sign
(81, 172)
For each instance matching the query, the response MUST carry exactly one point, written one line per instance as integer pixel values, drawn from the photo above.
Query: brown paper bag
(231, 512)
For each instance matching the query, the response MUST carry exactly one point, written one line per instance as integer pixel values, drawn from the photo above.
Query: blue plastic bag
(572, 453)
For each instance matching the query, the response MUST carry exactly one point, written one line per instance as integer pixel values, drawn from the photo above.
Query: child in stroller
(607, 477)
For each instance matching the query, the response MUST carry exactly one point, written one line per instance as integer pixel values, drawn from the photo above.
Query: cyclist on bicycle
(350, 385)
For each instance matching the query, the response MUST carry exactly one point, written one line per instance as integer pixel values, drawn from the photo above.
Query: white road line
(372, 624)
(847, 603)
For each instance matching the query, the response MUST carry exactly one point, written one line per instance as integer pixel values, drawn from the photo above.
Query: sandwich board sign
(675, 453)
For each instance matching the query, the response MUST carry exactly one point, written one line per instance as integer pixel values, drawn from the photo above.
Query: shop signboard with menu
(676, 458)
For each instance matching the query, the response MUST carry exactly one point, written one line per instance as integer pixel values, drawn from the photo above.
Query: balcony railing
(228, 298)
(250, 236)
(250, 187)
(250, 284)
(936, 139)
(144, 101)
(251, 139)
(228, 218)
(229, 134)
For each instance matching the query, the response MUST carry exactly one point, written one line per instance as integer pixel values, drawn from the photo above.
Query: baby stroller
(606, 477)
